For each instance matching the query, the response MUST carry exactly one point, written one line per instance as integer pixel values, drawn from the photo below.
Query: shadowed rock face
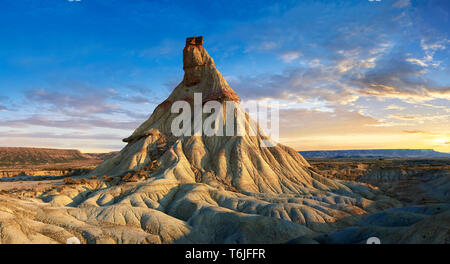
(194, 189)
(193, 61)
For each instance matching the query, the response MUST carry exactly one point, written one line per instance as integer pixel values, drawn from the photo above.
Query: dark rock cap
(194, 41)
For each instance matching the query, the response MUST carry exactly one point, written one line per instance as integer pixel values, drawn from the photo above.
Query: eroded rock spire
(193, 61)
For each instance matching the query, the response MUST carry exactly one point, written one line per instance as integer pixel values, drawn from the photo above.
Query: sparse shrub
(134, 176)
(131, 177)
(69, 181)
(77, 181)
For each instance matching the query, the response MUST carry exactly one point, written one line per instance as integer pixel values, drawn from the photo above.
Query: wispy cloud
(75, 123)
(417, 61)
(135, 99)
(290, 56)
(418, 117)
(422, 132)
(50, 135)
(394, 107)
(85, 102)
(402, 3)
(395, 77)
(3, 108)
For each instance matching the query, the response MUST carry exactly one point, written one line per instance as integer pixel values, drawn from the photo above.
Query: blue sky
(352, 74)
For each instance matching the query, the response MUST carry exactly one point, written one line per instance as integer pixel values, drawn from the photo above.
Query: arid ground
(412, 182)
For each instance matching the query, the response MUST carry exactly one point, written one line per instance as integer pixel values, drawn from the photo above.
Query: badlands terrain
(162, 188)
(47, 162)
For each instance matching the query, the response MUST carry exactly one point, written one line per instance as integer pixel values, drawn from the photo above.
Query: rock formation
(229, 162)
(191, 189)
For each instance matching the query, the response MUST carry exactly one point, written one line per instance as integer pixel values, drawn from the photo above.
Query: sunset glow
(349, 74)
